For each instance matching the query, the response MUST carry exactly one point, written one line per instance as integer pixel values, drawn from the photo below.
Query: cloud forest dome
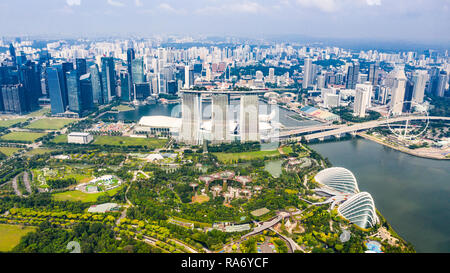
(360, 210)
(339, 179)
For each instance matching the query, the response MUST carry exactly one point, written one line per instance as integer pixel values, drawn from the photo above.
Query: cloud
(138, 3)
(245, 7)
(73, 2)
(115, 3)
(323, 5)
(373, 2)
(169, 8)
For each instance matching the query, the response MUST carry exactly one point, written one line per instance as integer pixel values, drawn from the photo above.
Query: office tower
(81, 66)
(352, 76)
(87, 100)
(1, 98)
(188, 77)
(219, 118)
(74, 92)
(137, 68)
(369, 88)
(307, 73)
(409, 90)
(12, 52)
(373, 73)
(320, 81)
(433, 80)
(56, 87)
(125, 94)
(108, 79)
(398, 91)
(142, 90)
(360, 104)
(419, 79)
(441, 84)
(249, 118)
(97, 93)
(172, 87)
(191, 109)
(30, 79)
(131, 55)
(14, 100)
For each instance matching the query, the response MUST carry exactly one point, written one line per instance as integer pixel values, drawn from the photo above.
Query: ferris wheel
(411, 123)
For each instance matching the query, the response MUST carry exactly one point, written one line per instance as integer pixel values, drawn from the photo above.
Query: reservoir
(412, 193)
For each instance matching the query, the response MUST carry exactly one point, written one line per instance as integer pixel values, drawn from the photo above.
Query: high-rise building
(108, 79)
(373, 73)
(29, 77)
(14, 100)
(331, 100)
(409, 90)
(97, 84)
(398, 91)
(219, 118)
(419, 79)
(369, 88)
(188, 77)
(137, 68)
(360, 104)
(87, 100)
(249, 118)
(81, 66)
(191, 109)
(73, 87)
(56, 87)
(307, 73)
(131, 55)
(142, 90)
(352, 76)
(441, 84)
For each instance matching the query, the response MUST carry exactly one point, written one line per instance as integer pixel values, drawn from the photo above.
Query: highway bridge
(322, 131)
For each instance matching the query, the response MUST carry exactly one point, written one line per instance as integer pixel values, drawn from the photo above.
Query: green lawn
(230, 157)
(60, 139)
(10, 235)
(40, 151)
(9, 151)
(11, 122)
(39, 113)
(129, 141)
(50, 123)
(23, 136)
(81, 196)
(123, 108)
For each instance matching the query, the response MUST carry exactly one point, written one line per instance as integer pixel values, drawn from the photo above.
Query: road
(359, 127)
(15, 187)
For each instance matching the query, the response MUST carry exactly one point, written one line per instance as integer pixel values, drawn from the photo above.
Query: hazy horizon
(418, 21)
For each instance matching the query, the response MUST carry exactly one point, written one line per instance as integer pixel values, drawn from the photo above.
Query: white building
(369, 88)
(79, 138)
(398, 91)
(360, 105)
(331, 100)
(420, 78)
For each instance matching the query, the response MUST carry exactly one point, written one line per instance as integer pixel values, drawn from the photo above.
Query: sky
(410, 20)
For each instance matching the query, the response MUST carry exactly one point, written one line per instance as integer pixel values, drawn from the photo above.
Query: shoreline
(400, 149)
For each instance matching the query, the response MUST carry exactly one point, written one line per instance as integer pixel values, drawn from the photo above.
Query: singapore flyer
(411, 123)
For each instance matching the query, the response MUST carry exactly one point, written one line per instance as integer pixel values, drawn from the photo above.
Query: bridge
(338, 130)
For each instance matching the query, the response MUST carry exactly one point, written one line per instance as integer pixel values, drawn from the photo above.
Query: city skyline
(414, 21)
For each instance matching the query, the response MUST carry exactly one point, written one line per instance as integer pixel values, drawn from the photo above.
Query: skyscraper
(108, 79)
(249, 118)
(398, 91)
(373, 73)
(14, 98)
(360, 104)
(97, 93)
(131, 55)
(441, 84)
(87, 100)
(307, 73)
(81, 66)
(419, 79)
(56, 87)
(191, 109)
(74, 92)
(219, 118)
(369, 88)
(352, 76)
